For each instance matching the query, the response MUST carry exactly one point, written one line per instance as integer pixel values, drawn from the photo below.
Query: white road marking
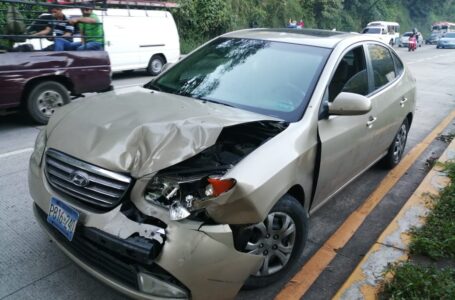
(428, 58)
(15, 152)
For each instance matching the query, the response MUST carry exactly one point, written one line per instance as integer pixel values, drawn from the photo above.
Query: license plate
(63, 217)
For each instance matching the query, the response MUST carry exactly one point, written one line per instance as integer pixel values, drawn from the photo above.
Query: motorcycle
(412, 43)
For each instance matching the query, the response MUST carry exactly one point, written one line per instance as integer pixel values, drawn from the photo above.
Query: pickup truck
(41, 81)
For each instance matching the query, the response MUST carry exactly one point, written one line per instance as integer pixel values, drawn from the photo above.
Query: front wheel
(44, 99)
(396, 149)
(280, 238)
(155, 65)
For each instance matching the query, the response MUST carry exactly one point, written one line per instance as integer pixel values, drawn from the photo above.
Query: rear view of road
(32, 267)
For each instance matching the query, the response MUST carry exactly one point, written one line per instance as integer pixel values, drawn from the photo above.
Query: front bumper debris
(183, 259)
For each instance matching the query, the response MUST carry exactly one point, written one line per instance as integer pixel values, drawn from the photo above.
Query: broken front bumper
(188, 265)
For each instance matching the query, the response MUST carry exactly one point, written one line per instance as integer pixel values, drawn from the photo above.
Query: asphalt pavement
(31, 267)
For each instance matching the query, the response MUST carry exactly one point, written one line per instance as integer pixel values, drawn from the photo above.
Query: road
(31, 267)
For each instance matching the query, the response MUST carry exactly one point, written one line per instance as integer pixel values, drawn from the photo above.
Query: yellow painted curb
(392, 245)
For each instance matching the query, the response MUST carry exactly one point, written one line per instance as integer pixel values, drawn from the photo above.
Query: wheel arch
(28, 87)
(160, 54)
(409, 117)
(298, 193)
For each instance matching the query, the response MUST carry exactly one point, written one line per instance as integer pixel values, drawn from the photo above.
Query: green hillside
(199, 20)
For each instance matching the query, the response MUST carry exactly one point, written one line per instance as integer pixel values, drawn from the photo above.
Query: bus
(442, 27)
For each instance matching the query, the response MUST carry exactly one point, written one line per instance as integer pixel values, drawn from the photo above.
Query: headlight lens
(182, 196)
(40, 146)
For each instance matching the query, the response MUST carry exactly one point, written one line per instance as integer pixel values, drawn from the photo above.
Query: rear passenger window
(399, 68)
(383, 65)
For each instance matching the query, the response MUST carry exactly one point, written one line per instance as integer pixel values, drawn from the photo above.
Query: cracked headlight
(182, 196)
(40, 146)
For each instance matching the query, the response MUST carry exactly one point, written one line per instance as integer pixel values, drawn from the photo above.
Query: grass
(436, 239)
(416, 282)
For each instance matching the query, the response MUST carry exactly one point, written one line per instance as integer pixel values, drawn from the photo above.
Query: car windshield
(271, 78)
(407, 34)
(450, 35)
(372, 30)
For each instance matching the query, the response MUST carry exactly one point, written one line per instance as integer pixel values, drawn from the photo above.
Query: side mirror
(349, 104)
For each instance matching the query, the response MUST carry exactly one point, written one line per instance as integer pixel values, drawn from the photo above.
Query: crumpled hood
(139, 131)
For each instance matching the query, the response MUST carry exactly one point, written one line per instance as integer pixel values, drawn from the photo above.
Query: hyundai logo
(80, 178)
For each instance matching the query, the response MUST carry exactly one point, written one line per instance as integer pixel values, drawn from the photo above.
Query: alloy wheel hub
(274, 239)
(48, 101)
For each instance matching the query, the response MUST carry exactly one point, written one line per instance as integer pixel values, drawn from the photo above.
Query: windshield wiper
(214, 101)
(151, 86)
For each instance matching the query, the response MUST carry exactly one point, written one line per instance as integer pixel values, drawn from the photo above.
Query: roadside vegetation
(200, 20)
(418, 279)
(437, 238)
(411, 281)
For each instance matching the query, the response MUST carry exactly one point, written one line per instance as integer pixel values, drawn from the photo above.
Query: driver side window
(350, 75)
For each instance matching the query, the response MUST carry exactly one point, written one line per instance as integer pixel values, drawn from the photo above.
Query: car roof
(311, 37)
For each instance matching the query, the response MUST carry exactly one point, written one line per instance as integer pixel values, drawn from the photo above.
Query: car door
(345, 140)
(388, 97)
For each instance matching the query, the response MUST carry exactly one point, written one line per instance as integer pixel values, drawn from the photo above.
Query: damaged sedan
(202, 181)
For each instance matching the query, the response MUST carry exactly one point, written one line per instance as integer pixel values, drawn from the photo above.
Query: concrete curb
(392, 244)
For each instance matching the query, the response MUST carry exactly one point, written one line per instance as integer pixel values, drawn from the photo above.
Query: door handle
(371, 121)
(403, 101)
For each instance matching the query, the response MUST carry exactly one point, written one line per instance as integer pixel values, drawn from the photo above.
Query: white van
(135, 38)
(387, 32)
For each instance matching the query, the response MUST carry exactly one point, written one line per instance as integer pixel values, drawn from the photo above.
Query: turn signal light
(218, 186)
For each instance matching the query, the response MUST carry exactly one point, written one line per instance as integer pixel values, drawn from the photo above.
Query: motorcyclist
(413, 40)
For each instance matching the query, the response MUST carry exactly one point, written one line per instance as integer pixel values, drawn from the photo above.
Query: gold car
(203, 180)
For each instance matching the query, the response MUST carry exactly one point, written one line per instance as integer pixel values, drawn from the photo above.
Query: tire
(271, 241)
(396, 149)
(44, 98)
(156, 65)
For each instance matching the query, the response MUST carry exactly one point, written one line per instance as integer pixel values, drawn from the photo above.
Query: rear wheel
(44, 99)
(156, 65)
(280, 238)
(396, 149)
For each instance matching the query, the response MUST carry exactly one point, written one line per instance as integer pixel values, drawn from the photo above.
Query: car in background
(387, 32)
(433, 38)
(189, 188)
(404, 39)
(158, 45)
(447, 41)
(40, 82)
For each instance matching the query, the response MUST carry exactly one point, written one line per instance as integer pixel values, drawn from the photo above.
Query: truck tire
(44, 98)
(155, 65)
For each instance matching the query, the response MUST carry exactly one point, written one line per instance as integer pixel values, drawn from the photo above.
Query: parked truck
(36, 81)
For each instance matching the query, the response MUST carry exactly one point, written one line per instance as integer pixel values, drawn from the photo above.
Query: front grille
(85, 182)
